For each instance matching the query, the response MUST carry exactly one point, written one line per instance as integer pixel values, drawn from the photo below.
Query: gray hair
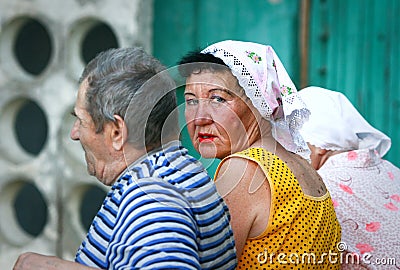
(134, 85)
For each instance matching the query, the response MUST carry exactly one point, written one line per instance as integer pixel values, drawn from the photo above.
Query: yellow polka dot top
(302, 232)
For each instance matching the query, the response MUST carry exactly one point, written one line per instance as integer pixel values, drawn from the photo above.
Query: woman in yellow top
(242, 107)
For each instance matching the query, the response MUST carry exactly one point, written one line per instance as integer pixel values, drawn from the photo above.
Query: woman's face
(218, 119)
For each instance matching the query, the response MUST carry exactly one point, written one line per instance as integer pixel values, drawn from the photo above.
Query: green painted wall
(353, 46)
(184, 25)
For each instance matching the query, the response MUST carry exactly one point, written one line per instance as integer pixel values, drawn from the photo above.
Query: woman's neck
(268, 143)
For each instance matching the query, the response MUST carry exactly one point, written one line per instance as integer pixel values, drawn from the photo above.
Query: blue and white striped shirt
(162, 213)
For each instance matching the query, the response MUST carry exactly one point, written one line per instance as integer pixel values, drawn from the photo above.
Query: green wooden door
(354, 49)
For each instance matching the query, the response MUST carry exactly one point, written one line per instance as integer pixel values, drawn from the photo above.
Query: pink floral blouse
(365, 190)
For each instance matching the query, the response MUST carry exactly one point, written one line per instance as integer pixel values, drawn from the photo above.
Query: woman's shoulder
(257, 155)
(236, 164)
(239, 177)
(247, 160)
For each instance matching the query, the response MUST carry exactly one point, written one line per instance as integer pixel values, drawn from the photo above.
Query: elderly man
(162, 211)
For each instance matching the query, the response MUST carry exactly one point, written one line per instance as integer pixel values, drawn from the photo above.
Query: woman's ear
(119, 133)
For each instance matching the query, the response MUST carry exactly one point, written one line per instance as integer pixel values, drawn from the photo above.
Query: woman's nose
(203, 114)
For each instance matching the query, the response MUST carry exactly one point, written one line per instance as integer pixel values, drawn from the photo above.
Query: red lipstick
(206, 137)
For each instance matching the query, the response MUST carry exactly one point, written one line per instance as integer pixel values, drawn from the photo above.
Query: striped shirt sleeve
(154, 229)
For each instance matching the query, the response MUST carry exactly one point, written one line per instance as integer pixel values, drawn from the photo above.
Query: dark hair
(195, 62)
(134, 85)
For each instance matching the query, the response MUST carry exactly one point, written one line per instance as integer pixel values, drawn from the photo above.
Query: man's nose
(74, 134)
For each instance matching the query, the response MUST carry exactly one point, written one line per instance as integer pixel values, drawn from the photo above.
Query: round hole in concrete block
(24, 212)
(24, 129)
(84, 201)
(92, 198)
(100, 37)
(88, 37)
(33, 47)
(31, 127)
(30, 209)
(25, 46)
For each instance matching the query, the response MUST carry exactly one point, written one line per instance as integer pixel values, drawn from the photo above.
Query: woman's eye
(192, 101)
(218, 99)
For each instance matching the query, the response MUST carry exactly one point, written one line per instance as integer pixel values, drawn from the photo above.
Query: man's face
(95, 145)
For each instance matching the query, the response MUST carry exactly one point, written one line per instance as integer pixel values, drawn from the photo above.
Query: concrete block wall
(47, 199)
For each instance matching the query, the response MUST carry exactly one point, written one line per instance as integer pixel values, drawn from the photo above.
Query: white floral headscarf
(335, 124)
(265, 81)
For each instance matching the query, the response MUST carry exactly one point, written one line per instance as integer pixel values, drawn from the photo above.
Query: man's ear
(119, 133)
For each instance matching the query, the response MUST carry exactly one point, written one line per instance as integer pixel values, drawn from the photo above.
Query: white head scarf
(335, 124)
(265, 81)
